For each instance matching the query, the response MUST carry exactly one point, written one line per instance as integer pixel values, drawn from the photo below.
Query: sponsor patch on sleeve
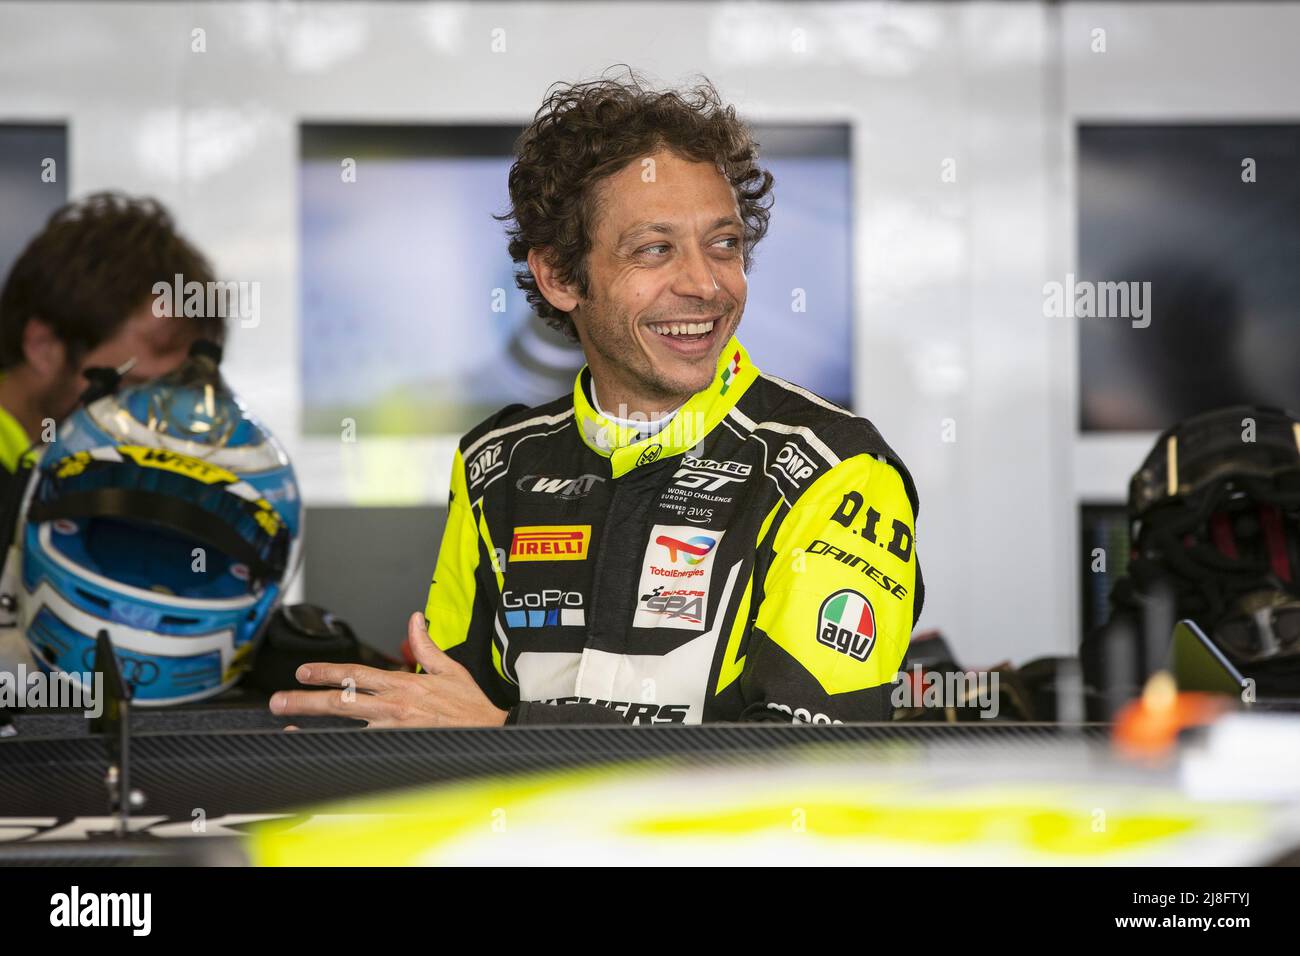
(847, 623)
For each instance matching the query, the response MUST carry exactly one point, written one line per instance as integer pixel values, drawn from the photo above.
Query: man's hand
(444, 696)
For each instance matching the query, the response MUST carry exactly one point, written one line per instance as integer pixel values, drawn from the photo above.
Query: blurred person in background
(81, 295)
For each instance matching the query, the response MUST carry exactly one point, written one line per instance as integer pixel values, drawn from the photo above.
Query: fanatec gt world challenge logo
(698, 486)
(702, 474)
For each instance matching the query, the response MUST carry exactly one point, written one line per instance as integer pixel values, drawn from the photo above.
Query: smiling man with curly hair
(683, 538)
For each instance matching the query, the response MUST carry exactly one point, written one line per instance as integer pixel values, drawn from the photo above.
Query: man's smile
(687, 337)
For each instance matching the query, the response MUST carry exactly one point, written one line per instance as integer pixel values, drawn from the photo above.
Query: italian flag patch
(730, 372)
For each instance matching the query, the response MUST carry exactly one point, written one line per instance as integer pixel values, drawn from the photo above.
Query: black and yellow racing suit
(755, 560)
(16, 458)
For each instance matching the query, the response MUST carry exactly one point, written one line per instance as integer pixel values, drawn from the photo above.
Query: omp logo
(489, 459)
(650, 454)
(578, 487)
(550, 607)
(847, 624)
(692, 551)
(684, 603)
(794, 464)
(566, 542)
(74, 908)
(699, 474)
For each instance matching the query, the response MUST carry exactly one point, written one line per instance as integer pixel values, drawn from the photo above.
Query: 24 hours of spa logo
(847, 624)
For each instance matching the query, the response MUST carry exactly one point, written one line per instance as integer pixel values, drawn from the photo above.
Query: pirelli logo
(550, 542)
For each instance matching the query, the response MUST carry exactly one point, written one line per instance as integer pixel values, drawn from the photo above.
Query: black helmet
(1214, 511)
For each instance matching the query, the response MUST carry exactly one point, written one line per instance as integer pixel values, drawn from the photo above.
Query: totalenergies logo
(693, 550)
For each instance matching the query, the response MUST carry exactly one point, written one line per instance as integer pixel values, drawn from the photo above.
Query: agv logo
(847, 624)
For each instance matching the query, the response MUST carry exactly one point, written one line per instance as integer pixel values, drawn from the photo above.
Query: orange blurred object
(1149, 726)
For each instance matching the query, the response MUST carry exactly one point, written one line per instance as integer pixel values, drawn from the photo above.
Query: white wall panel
(948, 275)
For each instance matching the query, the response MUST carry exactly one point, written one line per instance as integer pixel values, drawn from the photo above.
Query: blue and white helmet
(169, 517)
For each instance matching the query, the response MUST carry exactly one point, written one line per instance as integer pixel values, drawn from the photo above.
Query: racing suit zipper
(596, 578)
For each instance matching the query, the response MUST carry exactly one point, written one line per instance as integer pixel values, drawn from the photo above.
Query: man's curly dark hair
(585, 132)
(94, 263)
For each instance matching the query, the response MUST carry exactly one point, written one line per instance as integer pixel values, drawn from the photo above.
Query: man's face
(157, 343)
(667, 280)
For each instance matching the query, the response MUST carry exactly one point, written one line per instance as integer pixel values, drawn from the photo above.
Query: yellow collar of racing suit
(14, 443)
(696, 418)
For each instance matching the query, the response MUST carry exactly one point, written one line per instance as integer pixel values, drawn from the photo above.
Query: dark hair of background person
(585, 132)
(93, 265)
